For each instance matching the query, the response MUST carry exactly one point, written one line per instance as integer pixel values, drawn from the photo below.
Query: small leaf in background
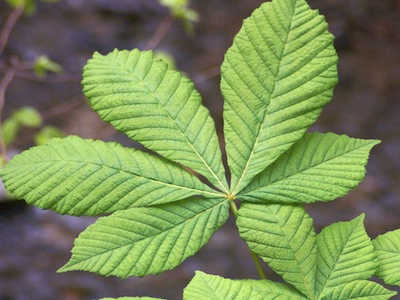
(147, 240)
(166, 57)
(46, 134)
(28, 5)
(24, 116)
(284, 237)
(180, 10)
(209, 287)
(387, 248)
(10, 128)
(28, 116)
(43, 64)
(345, 254)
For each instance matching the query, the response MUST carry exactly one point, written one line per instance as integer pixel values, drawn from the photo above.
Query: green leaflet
(132, 298)
(276, 77)
(147, 240)
(85, 177)
(319, 167)
(359, 290)
(206, 287)
(156, 106)
(387, 248)
(284, 237)
(346, 254)
(335, 265)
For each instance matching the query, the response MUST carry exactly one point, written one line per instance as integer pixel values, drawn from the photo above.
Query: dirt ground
(366, 104)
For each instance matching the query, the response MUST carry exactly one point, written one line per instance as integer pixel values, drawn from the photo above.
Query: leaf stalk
(253, 255)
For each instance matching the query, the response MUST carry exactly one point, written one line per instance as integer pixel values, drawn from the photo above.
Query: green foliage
(163, 110)
(148, 239)
(29, 6)
(179, 9)
(295, 177)
(284, 238)
(43, 65)
(166, 57)
(46, 134)
(132, 298)
(388, 251)
(28, 117)
(9, 129)
(205, 287)
(276, 78)
(24, 116)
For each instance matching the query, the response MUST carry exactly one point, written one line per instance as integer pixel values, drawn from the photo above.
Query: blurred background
(64, 34)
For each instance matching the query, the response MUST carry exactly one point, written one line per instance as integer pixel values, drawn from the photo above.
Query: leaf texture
(147, 240)
(276, 77)
(156, 106)
(359, 290)
(86, 177)
(284, 237)
(319, 167)
(132, 298)
(205, 287)
(346, 254)
(387, 248)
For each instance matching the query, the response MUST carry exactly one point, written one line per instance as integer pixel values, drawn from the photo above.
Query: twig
(207, 74)
(8, 26)
(159, 34)
(57, 78)
(5, 81)
(253, 255)
(63, 108)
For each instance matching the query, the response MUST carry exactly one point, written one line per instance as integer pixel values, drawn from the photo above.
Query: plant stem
(4, 82)
(253, 255)
(9, 25)
(159, 34)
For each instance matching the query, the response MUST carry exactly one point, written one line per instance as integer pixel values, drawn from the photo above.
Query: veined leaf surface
(359, 290)
(387, 248)
(147, 240)
(206, 287)
(319, 167)
(276, 77)
(284, 237)
(132, 298)
(156, 106)
(86, 177)
(345, 254)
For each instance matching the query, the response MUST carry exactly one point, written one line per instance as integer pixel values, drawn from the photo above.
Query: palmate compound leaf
(156, 106)
(147, 240)
(359, 290)
(275, 79)
(387, 248)
(345, 254)
(319, 167)
(85, 177)
(206, 287)
(284, 237)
